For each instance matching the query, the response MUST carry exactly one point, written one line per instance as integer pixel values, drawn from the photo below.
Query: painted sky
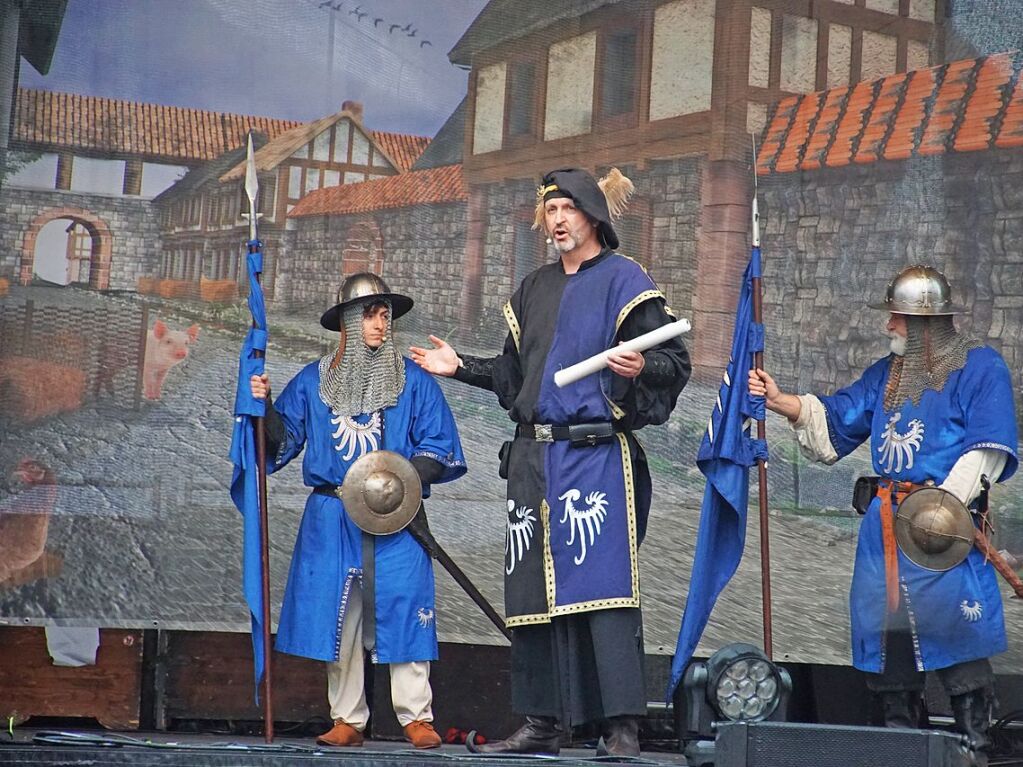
(267, 57)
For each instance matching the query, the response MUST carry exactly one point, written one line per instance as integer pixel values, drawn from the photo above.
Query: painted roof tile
(418, 187)
(963, 106)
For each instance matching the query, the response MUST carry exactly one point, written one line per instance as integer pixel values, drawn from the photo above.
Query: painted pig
(165, 348)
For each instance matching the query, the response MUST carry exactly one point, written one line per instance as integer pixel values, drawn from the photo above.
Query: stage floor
(99, 749)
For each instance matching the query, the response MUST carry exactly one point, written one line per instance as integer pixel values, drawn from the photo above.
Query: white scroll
(639, 344)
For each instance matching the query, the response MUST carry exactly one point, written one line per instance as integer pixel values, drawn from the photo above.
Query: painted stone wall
(834, 238)
(418, 250)
(131, 222)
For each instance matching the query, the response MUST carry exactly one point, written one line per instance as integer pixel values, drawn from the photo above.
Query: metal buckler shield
(934, 529)
(382, 492)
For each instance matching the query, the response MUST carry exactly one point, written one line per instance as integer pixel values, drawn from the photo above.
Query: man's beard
(897, 344)
(574, 239)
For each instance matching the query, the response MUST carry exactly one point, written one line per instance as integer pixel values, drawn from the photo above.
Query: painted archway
(102, 243)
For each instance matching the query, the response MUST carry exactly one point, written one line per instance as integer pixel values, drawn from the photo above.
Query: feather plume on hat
(617, 188)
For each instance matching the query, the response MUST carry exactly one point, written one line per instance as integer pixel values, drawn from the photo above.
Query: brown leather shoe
(341, 734)
(421, 734)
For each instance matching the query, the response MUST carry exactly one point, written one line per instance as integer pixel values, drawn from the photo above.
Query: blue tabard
(956, 615)
(586, 557)
(328, 550)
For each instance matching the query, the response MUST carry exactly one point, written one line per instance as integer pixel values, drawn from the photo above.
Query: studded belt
(579, 434)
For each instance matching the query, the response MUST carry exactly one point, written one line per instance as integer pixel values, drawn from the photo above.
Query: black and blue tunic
(576, 515)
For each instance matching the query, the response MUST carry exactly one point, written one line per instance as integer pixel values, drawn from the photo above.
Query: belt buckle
(543, 432)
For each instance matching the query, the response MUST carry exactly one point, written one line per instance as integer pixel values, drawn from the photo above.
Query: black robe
(588, 665)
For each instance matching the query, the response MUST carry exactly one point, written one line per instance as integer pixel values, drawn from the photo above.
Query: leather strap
(369, 601)
(886, 489)
(984, 545)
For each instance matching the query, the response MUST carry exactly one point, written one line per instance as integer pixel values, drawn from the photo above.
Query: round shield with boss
(934, 529)
(382, 492)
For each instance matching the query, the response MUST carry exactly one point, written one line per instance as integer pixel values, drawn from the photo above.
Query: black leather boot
(901, 708)
(539, 735)
(621, 737)
(972, 711)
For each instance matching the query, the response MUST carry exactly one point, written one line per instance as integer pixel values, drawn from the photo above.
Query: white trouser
(411, 695)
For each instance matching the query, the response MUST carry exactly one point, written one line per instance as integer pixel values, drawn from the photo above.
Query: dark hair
(370, 306)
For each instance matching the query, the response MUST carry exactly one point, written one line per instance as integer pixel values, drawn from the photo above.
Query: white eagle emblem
(424, 616)
(971, 613)
(897, 449)
(355, 437)
(583, 521)
(521, 524)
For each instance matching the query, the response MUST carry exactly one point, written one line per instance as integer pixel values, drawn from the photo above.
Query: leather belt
(331, 490)
(579, 434)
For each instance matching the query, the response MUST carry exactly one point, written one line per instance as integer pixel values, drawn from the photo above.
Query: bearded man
(347, 589)
(937, 411)
(578, 483)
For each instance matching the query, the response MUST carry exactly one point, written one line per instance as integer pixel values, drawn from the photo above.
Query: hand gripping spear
(758, 363)
(251, 191)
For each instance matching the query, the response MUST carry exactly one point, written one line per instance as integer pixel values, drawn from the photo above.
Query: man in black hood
(578, 483)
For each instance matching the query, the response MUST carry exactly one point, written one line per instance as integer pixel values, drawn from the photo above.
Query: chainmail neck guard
(366, 380)
(934, 350)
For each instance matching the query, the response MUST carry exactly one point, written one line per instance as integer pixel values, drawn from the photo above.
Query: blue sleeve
(987, 401)
(291, 406)
(850, 411)
(433, 431)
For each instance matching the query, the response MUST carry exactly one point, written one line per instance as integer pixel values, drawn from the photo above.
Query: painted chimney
(353, 108)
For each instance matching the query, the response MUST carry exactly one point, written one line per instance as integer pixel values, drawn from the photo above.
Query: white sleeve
(811, 430)
(963, 481)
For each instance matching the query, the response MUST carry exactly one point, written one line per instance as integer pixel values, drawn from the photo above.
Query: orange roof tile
(948, 105)
(791, 153)
(909, 122)
(402, 148)
(834, 104)
(1011, 133)
(963, 106)
(848, 129)
(775, 134)
(157, 131)
(418, 187)
(985, 104)
(884, 107)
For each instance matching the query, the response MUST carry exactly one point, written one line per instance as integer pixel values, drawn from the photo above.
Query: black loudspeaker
(788, 744)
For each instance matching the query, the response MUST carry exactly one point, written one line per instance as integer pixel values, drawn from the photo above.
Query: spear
(758, 363)
(254, 246)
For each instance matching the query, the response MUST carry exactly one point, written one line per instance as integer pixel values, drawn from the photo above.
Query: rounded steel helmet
(919, 290)
(362, 288)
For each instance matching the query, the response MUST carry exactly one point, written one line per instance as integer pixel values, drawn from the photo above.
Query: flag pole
(758, 364)
(251, 190)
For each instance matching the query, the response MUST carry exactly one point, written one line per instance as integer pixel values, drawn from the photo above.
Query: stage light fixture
(736, 684)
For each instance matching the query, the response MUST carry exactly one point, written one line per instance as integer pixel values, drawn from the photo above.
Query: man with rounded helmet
(938, 411)
(348, 590)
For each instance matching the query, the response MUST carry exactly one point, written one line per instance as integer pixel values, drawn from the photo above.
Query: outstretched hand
(441, 360)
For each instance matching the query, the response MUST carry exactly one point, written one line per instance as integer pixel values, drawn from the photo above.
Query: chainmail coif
(366, 379)
(934, 350)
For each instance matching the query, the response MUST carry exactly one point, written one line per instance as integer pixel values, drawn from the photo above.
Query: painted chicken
(25, 520)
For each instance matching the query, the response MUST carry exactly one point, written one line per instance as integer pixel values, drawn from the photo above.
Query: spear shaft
(251, 191)
(758, 364)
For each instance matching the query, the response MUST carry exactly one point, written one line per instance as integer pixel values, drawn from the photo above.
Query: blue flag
(726, 453)
(245, 482)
